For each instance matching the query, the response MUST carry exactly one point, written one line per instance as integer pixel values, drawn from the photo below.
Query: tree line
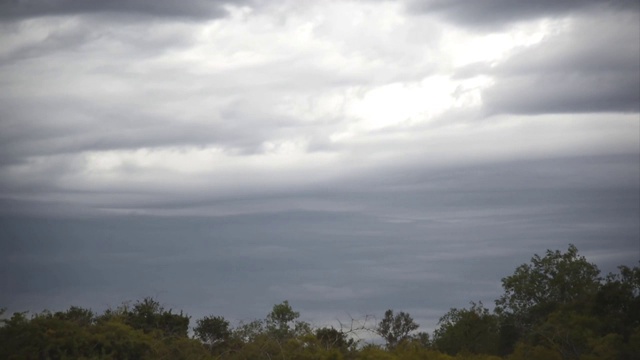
(556, 307)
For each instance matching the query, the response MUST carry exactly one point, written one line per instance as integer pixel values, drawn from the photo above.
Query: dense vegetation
(555, 307)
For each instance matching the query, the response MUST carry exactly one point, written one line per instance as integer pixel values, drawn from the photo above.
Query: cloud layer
(194, 9)
(352, 150)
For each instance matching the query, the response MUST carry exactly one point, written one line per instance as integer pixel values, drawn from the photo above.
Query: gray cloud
(460, 232)
(492, 14)
(189, 9)
(591, 67)
(565, 93)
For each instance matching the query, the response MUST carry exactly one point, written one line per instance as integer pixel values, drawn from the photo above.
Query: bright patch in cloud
(465, 47)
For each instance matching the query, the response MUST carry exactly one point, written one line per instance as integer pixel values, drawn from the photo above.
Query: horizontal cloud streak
(499, 13)
(197, 9)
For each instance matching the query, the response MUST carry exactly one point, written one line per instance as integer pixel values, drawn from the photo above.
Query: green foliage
(618, 301)
(249, 332)
(213, 331)
(413, 350)
(531, 352)
(148, 315)
(373, 352)
(556, 282)
(395, 329)
(422, 339)
(567, 332)
(608, 347)
(330, 338)
(114, 339)
(536, 289)
(281, 322)
(559, 307)
(145, 332)
(472, 330)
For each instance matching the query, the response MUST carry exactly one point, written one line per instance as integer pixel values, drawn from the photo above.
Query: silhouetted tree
(395, 328)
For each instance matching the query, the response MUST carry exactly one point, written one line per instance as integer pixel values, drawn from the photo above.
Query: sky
(346, 156)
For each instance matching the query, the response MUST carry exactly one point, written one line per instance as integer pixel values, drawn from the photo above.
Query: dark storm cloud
(498, 13)
(14, 9)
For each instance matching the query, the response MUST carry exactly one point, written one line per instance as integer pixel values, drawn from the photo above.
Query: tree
(395, 329)
(213, 331)
(618, 301)
(248, 332)
(78, 315)
(113, 339)
(568, 332)
(559, 303)
(423, 339)
(331, 338)
(148, 315)
(281, 322)
(472, 330)
(537, 289)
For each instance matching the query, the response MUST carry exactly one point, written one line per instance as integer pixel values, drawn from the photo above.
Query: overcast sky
(349, 156)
